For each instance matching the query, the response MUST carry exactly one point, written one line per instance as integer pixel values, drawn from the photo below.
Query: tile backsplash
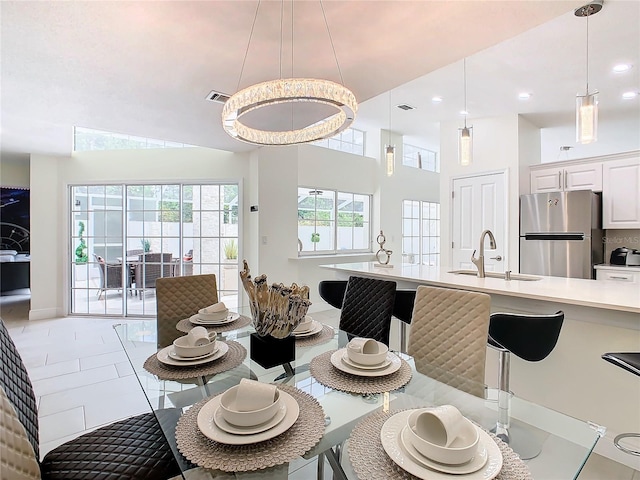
(620, 238)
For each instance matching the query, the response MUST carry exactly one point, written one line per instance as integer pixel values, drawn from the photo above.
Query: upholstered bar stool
(629, 361)
(532, 338)
(332, 292)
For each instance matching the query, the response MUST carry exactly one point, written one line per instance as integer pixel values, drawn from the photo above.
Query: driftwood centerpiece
(276, 309)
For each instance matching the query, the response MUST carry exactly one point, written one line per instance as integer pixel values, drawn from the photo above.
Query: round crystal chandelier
(289, 90)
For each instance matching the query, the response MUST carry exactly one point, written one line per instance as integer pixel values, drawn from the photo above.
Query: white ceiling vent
(404, 106)
(217, 97)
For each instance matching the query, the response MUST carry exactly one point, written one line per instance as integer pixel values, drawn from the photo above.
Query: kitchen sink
(514, 276)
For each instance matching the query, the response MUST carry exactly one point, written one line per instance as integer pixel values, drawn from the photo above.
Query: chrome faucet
(479, 262)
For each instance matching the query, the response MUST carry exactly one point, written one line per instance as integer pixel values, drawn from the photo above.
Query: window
(193, 228)
(333, 222)
(349, 140)
(421, 232)
(87, 139)
(422, 158)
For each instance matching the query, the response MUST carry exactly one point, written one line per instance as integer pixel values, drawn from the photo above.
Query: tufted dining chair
(448, 338)
(367, 308)
(181, 297)
(135, 448)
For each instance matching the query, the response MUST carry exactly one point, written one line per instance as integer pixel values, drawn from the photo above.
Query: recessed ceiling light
(622, 67)
(524, 96)
(629, 95)
(464, 112)
(436, 99)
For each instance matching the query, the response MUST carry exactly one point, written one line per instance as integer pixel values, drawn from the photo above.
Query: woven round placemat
(305, 433)
(323, 370)
(323, 336)
(234, 357)
(371, 462)
(185, 325)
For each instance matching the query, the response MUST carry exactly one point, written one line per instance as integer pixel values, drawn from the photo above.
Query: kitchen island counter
(573, 291)
(600, 317)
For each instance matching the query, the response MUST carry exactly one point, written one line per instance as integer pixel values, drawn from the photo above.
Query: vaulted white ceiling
(145, 67)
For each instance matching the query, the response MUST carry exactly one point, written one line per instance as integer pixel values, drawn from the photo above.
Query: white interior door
(478, 204)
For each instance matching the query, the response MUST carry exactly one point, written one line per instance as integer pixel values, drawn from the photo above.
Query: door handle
(498, 258)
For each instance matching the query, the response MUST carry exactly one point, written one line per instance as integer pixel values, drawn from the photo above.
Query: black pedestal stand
(269, 352)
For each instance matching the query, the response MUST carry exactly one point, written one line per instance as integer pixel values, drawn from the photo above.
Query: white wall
(495, 148)
(528, 152)
(269, 178)
(48, 256)
(51, 176)
(616, 135)
(14, 172)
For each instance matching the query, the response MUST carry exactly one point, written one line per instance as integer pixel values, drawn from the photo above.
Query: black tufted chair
(532, 338)
(629, 361)
(135, 448)
(367, 308)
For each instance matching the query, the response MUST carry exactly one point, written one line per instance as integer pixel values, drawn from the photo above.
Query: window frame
(407, 147)
(341, 141)
(421, 237)
(302, 252)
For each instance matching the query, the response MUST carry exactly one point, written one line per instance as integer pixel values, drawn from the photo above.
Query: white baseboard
(44, 313)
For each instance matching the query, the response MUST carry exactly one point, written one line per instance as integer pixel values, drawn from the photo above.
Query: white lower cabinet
(621, 274)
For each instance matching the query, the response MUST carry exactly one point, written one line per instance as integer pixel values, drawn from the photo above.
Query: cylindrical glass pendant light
(390, 156)
(465, 145)
(465, 135)
(587, 104)
(587, 118)
(390, 150)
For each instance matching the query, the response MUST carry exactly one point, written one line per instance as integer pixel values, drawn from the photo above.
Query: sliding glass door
(124, 237)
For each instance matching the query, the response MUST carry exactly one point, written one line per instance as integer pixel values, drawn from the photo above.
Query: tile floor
(77, 366)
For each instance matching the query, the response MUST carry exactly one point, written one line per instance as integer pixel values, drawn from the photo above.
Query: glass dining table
(566, 442)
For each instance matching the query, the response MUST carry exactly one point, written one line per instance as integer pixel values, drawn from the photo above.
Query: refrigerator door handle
(554, 236)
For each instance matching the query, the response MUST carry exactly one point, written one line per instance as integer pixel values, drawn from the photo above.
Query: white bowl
(368, 358)
(461, 450)
(249, 418)
(213, 316)
(182, 348)
(305, 325)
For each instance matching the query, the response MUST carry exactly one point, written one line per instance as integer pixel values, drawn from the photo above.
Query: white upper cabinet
(586, 176)
(621, 193)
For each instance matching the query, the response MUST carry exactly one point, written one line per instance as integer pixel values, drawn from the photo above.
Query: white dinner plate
(336, 361)
(221, 423)
(473, 465)
(351, 363)
(392, 444)
(165, 357)
(232, 317)
(316, 328)
(208, 427)
(175, 356)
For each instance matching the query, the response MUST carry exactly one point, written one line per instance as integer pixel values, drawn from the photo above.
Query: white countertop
(574, 291)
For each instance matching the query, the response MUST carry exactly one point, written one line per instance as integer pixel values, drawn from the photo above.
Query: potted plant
(231, 249)
(81, 250)
(315, 237)
(146, 245)
(230, 271)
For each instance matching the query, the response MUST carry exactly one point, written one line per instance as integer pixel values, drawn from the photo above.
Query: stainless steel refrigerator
(561, 234)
